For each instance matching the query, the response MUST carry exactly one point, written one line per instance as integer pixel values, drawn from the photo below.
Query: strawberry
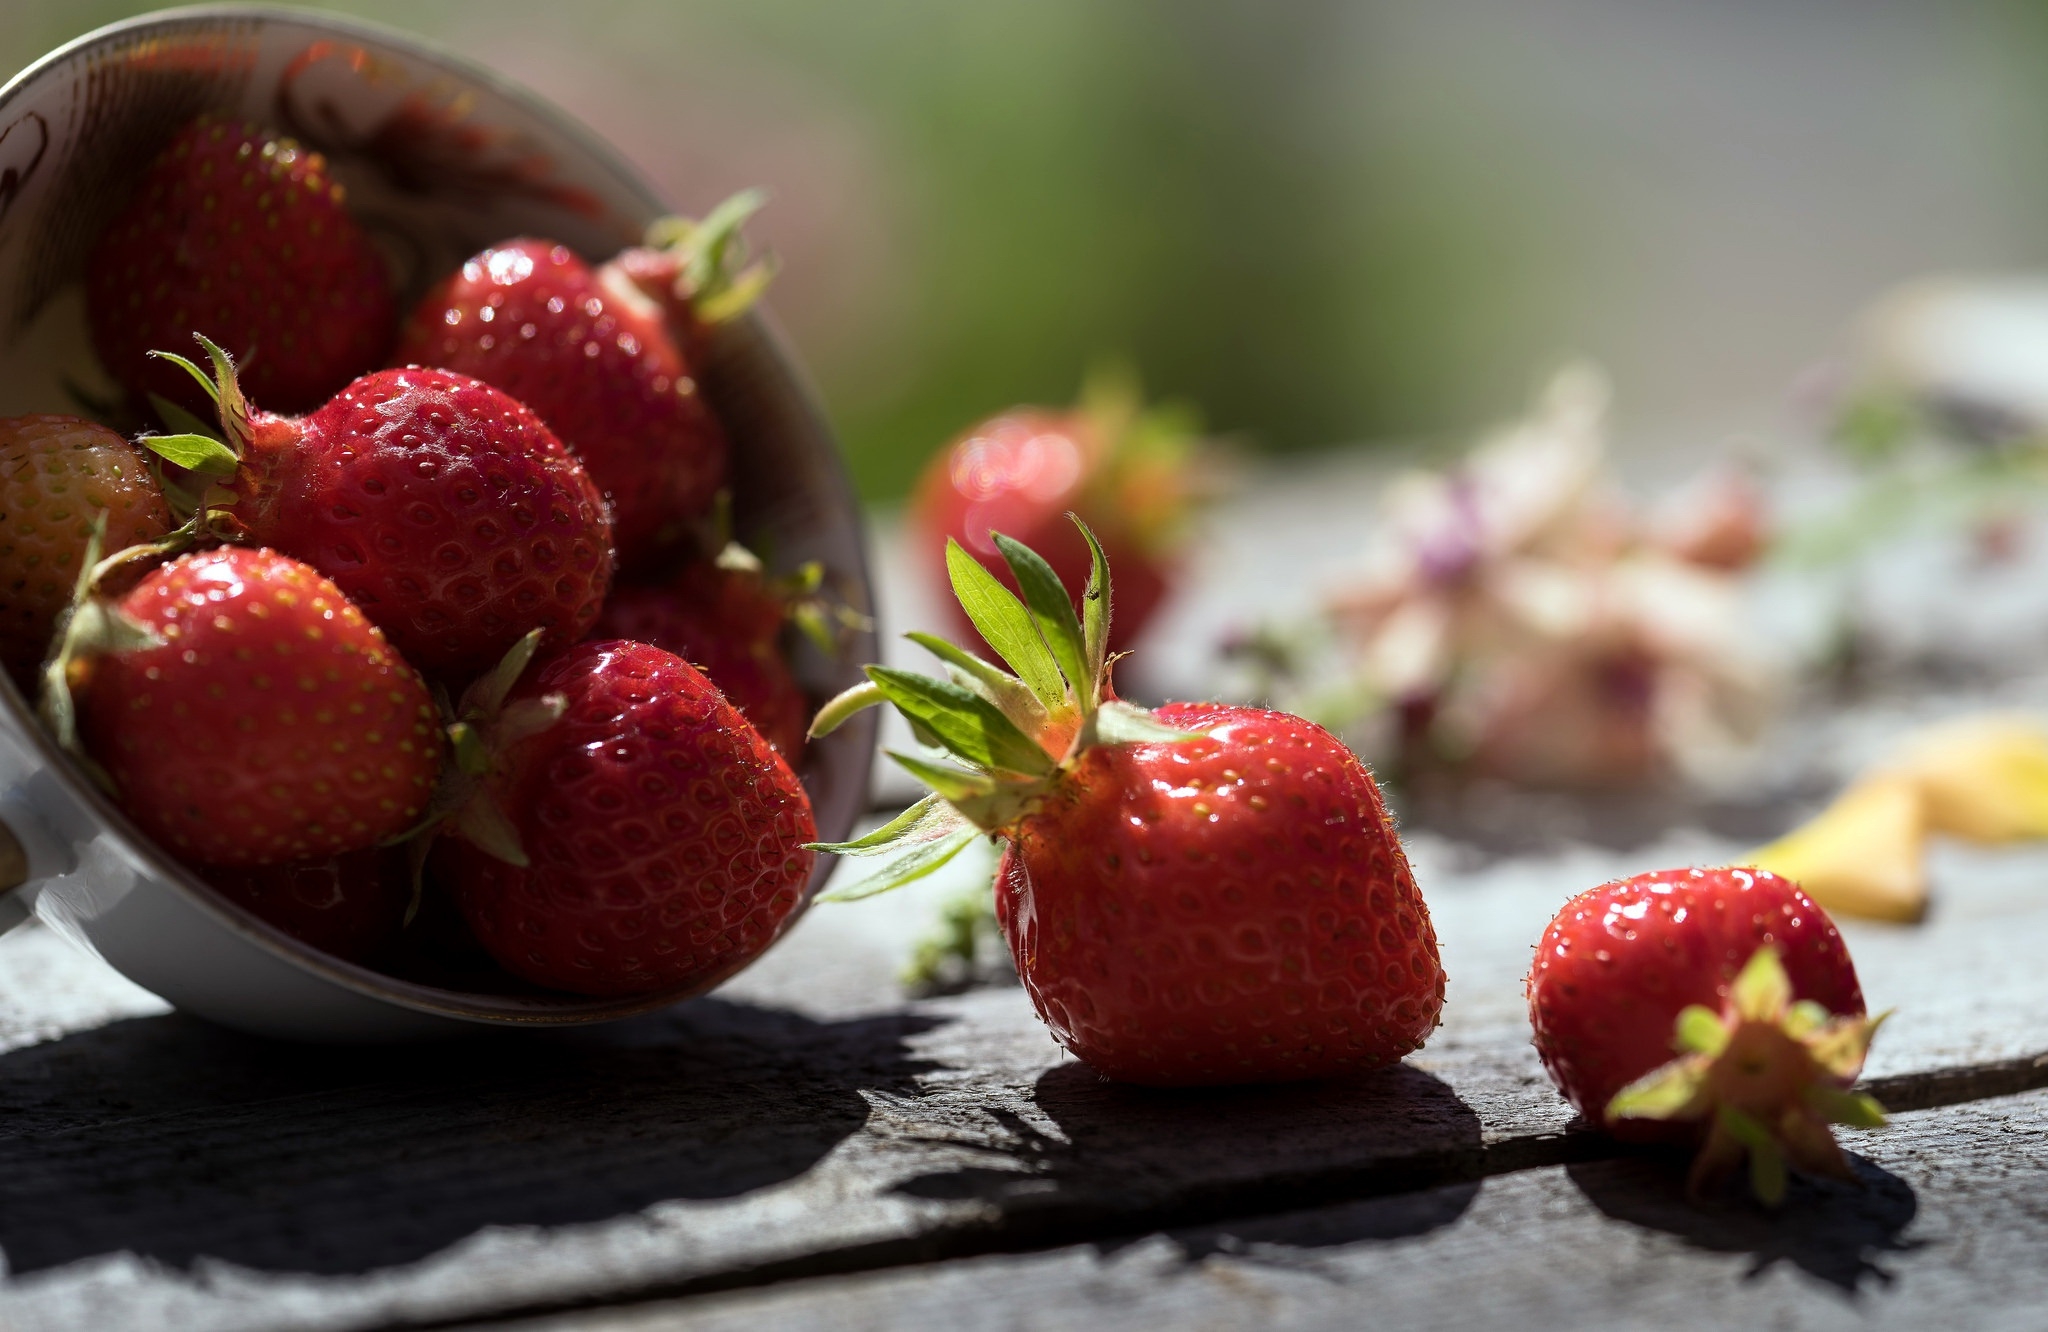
(248, 714)
(56, 473)
(242, 234)
(1198, 895)
(1745, 980)
(442, 507)
(622, 829)
(1127, 472)
(595, 356)
(350, 906)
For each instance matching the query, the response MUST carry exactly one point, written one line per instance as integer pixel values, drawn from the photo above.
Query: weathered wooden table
(807, 1148)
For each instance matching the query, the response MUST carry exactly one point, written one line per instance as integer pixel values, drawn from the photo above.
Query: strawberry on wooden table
(442, 507)
(246, 713)
(1204, 894)
(240, 233)
(56, 474)
(619, 827)
(1712, 1005)
(603, 363)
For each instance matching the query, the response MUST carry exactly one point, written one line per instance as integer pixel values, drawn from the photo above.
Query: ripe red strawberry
(239, 233)
(1739, 975)
(1202, 894)
(250, 715)
(629, 832)
(350, 906)
(1126, 472)
(442, 507)
(599, 359)
(56, 474)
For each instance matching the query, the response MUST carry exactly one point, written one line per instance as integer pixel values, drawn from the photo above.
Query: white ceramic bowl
(440, 158)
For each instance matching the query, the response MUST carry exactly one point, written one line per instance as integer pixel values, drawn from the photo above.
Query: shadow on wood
(1124, 1160)
(176, 1140)
(1829, 1228)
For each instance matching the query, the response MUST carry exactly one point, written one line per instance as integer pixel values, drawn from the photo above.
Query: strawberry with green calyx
(702, 271)
(1631, 972)
(445, 509)
(244, 711)
(618, 828)
(1200, 895)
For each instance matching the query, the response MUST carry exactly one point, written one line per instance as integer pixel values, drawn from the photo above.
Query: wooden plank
(154, 1172)
(1944, 1227)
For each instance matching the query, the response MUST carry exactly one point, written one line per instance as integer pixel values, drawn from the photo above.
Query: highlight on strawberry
(1710, 1006)
(1197, 894)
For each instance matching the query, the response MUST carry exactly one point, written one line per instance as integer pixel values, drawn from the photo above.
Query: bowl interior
(440, 158)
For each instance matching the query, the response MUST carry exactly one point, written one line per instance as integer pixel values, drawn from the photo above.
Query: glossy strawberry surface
(1019, 474)
(273, 724)
(444, 508)
(665, 838)
(595, 358)
(1618, 963)
(350, 906)
(57, 473)
(728, 624)
(241, 234)
(1230, 909)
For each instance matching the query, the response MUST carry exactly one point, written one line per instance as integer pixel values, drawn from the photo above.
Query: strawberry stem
(1767, 1074)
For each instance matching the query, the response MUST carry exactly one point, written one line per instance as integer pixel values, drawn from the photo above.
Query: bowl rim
(469, 1006)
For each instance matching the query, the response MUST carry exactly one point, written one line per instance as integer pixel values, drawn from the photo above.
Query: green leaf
(1053, 609)
(485, 826)
(99, 628)
(1671, 1092)
(843, 706)
(915, 863)
(1095, 606)
(1766, 1157)
(954, 784)
(993, 683)
(487, 694)
(1700, 1031)
(964, 723)
(929, 818)
(1762, 991)
(1008, 628)
(1854, 1109)
(203, 379)
(1119, 723)
(197, 453)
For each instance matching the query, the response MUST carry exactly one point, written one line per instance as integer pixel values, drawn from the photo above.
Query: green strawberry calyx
(1011, 737)
(716, 277)
(1768, 1074)
(195, 446)
(481, 727)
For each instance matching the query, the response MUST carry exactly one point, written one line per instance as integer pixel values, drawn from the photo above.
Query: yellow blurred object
(1984, 778)
(1863, 855)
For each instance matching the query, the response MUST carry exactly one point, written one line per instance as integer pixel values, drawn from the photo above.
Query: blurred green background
(1325, 223)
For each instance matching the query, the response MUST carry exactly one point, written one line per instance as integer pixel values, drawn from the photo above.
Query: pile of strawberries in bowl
(378, 614)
